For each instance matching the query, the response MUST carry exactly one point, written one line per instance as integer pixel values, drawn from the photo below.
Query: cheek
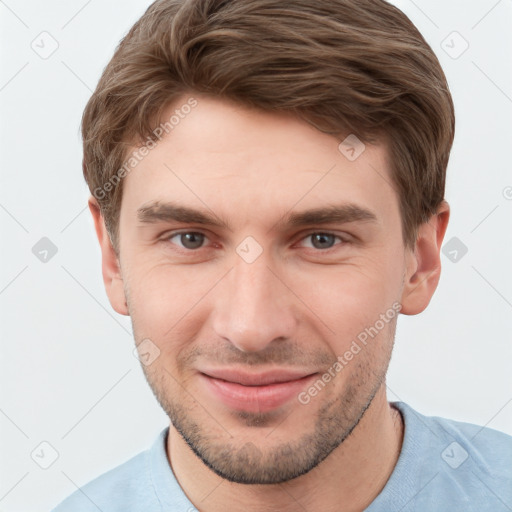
(346, 302)
(347, 293)
(162, 287)
(164, 299)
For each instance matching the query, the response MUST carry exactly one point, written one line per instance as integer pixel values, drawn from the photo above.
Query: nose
(253, 308)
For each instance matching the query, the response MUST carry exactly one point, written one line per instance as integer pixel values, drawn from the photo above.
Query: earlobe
(424, 266)
(110, 266)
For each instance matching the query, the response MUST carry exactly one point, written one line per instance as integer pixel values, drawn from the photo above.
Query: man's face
(257, 294)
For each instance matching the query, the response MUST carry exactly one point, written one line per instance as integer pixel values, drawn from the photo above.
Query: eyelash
(343, 241)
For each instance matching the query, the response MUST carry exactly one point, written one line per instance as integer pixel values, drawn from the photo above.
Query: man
(267, 186)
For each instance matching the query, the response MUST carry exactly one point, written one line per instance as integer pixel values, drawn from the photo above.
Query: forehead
(255, 165)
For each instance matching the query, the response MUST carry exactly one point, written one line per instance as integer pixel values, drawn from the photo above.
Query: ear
(110, 266)
(424, 263)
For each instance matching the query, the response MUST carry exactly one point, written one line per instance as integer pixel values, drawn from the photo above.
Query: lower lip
(255, 398)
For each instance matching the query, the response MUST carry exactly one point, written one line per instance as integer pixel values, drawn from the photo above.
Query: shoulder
(486, 450)
(123, 488)
(450, 465)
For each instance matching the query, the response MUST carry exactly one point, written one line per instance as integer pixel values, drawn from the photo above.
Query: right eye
(190, 240)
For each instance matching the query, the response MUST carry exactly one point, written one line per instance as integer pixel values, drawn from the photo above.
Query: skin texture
(298, 306)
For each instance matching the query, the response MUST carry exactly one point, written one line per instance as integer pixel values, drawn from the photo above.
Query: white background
(68, 374)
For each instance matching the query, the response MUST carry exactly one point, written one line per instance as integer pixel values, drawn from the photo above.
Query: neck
(353, 474)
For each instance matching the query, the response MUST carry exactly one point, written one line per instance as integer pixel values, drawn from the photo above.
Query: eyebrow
(174, 212)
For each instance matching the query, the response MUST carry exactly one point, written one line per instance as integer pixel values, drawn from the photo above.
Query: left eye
(322, 240)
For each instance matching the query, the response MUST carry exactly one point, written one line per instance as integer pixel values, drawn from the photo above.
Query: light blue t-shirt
(444, 465)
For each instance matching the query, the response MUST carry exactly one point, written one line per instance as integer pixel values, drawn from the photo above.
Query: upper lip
(256, 379)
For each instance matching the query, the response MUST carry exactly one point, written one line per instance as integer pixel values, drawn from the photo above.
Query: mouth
(255, 392)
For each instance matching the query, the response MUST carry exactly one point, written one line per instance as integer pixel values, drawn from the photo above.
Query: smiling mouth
(255, 392)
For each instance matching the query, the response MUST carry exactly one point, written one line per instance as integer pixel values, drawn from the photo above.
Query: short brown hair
(345, 66)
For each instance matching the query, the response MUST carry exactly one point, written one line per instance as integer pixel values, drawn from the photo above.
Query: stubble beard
(245, 462)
